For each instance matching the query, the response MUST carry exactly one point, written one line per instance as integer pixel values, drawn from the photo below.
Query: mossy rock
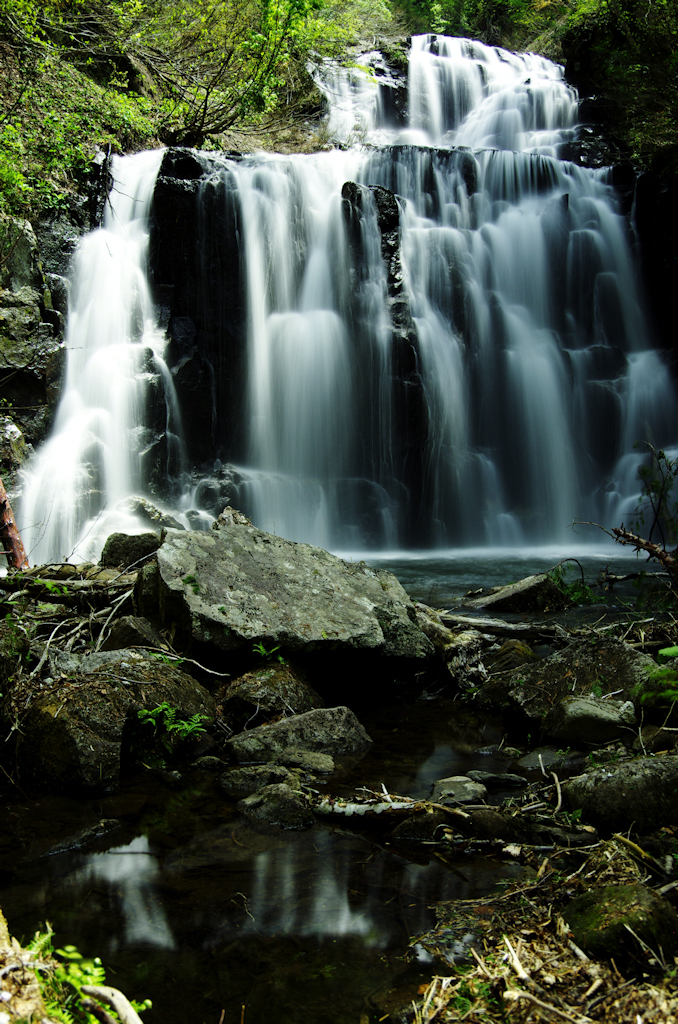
(600, 921)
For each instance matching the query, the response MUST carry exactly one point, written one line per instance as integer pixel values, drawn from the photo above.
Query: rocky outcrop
(30, 343)
(237, 586)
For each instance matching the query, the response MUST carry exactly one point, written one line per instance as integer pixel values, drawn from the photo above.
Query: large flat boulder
(236, 586)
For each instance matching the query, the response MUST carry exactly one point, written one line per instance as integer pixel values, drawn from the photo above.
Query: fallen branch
(513, 995)
(115, 999)
(497, 627)
(666, 558)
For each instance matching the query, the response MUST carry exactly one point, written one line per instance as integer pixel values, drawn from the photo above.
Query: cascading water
(118, 396)
(468, 366)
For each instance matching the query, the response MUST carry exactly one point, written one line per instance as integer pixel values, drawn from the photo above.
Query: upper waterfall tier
(459, 92)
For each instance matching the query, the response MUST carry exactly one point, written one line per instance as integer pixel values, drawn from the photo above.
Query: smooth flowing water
(483, 388)
(117, 385)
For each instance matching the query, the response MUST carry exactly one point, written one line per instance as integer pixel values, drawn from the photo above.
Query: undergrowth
(62, 976)
(170, 730)
(53, 118)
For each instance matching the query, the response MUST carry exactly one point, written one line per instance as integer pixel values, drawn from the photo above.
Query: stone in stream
(241, 782)
(278, 805)
(333, 731)
(458, 789)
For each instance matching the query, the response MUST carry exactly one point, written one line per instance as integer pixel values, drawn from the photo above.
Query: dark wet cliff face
(657, 222)
(197, 283)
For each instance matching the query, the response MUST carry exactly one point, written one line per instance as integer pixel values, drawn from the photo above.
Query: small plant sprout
(268, 653)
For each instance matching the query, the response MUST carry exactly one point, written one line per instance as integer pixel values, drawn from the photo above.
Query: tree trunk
(9, 535)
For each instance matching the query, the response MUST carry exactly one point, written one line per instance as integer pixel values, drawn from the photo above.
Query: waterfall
(467, 363)
(117, 408)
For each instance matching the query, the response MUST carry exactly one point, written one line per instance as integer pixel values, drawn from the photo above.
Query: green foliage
(167, 659)
(50, 126)
(170, 729)
(660, 689)
(579, 592)
(52, 587)
(627, 49)
(192, 582)
(61, 983)
(268, 653)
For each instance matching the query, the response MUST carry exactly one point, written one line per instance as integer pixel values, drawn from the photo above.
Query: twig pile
(525, 965)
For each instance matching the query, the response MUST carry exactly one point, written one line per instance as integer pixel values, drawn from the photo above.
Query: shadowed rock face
(235, 586)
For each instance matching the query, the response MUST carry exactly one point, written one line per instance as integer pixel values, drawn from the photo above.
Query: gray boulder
(124, 549)
(641, 794)
(132, 631)
(590, 720)
(458, 789)
(236, 586)
(333, 731)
